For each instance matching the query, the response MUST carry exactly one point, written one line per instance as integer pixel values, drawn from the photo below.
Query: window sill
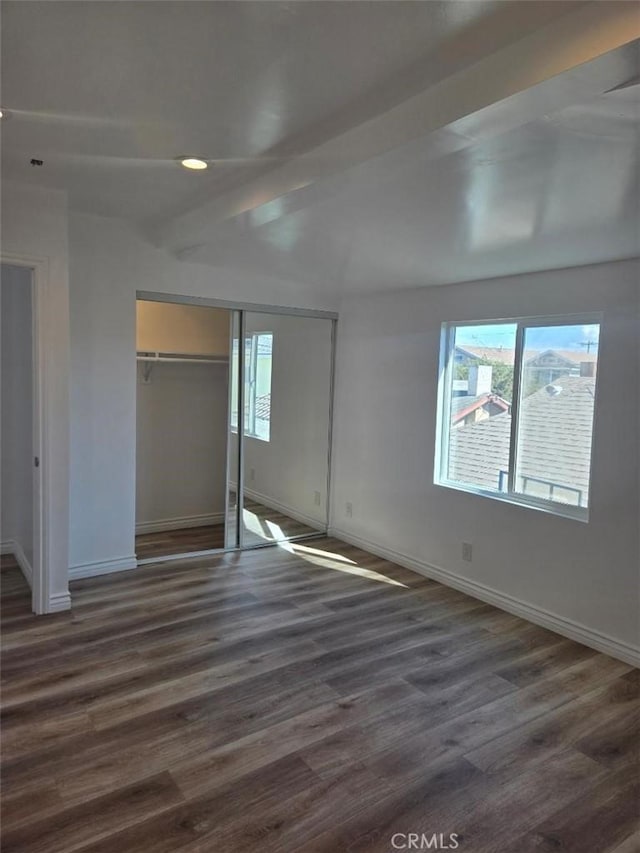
(576, 513)
(234, 431)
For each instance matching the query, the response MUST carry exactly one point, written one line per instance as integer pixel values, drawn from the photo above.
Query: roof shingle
(554, 441)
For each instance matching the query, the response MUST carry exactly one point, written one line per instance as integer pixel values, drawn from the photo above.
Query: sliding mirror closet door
(182, 428)
(232, 535)
(287, 410)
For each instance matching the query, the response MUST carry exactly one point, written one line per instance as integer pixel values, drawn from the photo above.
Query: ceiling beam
(566, 62)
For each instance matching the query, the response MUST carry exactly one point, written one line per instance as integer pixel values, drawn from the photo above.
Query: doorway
(233, 426)
(18, 501)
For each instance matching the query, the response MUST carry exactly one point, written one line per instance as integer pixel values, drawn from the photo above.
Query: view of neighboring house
(553, 444)
(473, 399)
(466, 410)
(551, 364)
(467, 355)
(543, 366)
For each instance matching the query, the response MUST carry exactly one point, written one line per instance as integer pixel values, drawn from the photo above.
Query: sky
(540, 337)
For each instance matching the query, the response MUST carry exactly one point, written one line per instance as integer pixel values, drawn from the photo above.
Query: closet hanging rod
(177, 358)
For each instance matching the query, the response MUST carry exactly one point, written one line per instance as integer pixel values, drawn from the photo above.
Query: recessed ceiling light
(194, 163)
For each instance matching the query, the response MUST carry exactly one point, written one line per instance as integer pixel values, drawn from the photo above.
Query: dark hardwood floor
(165, 543)
(300, 699)
(261, 524)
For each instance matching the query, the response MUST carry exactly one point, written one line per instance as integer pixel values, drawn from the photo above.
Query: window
(516, 406)
(257, 385)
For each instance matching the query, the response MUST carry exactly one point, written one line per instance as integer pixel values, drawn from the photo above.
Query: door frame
(43, 497)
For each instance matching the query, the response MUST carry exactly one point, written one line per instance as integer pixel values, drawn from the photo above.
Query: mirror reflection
(287, 405)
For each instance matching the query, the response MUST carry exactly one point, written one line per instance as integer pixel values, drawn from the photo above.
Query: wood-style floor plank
(604, 817)
(312, 698)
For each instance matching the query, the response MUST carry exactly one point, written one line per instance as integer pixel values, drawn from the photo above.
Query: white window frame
(445, 385)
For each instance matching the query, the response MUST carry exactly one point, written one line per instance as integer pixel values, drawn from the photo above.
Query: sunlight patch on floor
(337, 562)
(275, 530)
(270, 531)
(255, 525)
(316, 552)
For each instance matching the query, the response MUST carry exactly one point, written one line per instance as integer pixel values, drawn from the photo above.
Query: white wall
(290, 467)
(181, 444)
(34, 225)
(108, 263)
(16, 436)
(384, 429)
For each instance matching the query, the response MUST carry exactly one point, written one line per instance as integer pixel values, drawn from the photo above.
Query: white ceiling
(108, 94)
(555, 192)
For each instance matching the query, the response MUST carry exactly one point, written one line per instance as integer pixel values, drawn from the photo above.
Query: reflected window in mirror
(258, 370)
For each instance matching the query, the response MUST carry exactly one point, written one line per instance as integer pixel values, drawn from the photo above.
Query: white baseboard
(566, 627)
(58, 602)
(102, 567)
(271, 503)
(186, 521)
(12, 546)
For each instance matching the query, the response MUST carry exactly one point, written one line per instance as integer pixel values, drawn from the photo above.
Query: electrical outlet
(316, 498)
(348, 509)
(252, 473)
(467, 552)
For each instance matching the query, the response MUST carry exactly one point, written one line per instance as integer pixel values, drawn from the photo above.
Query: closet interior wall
(181, 427)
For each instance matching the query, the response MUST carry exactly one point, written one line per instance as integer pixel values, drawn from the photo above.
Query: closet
(233, 426)
(181, 427)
